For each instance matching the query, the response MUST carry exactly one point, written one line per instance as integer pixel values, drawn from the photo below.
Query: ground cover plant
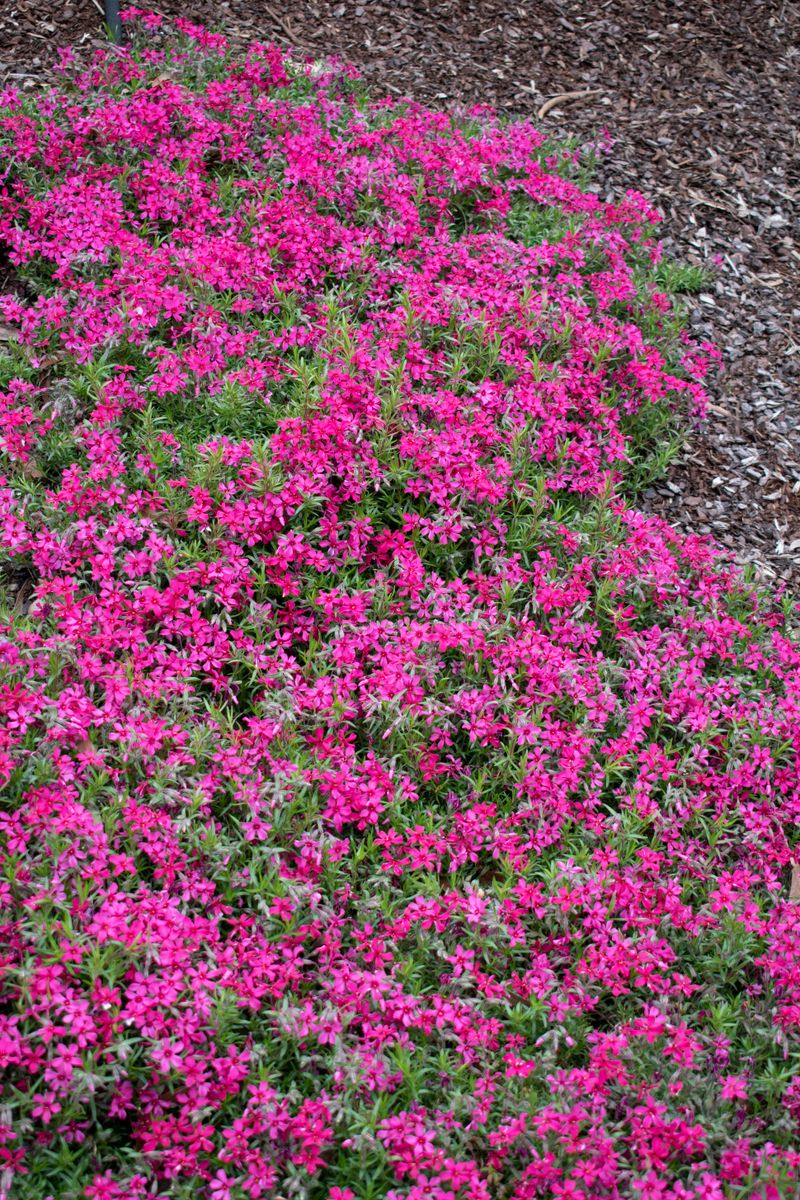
(390, 809)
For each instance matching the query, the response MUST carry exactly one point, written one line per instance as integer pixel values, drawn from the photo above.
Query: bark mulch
(701, 99)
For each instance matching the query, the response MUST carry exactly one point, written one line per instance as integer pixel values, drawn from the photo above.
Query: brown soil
(701, 99)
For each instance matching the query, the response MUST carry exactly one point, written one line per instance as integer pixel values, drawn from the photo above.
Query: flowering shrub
(390, 808)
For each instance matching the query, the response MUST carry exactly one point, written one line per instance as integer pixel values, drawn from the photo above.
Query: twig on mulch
(283, 25)
(564, 98)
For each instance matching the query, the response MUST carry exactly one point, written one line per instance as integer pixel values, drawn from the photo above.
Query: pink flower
(45, 1107)
(734, 1087)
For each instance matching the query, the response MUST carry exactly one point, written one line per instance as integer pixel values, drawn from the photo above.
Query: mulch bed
(701, 102)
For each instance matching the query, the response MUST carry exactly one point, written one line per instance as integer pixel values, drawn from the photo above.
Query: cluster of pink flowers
(390, 808)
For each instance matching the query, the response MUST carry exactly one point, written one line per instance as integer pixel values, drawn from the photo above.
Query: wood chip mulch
(701, 100)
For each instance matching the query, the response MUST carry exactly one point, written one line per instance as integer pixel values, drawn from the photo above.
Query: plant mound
(390, 809)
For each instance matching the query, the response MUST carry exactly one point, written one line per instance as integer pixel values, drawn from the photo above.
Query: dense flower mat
(390, 809)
